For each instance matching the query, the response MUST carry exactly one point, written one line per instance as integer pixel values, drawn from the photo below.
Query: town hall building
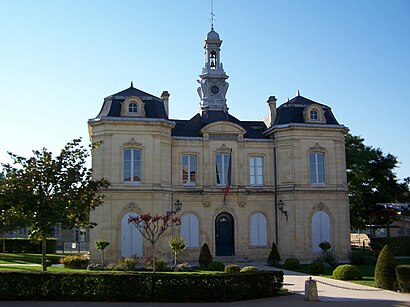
(243, 185)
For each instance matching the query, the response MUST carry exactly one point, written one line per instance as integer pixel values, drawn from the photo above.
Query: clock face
(214, 89)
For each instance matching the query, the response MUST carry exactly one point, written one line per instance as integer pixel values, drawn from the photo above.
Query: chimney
(272, 109)
(165, 100)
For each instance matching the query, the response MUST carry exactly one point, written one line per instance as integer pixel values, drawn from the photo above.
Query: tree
(177, 244)
(101, 244)
(47, 190)
(371, 180)
(152, 227)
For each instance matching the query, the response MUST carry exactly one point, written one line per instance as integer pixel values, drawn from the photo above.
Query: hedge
(22, 245)
(403, 277)
(400, 246)
(138, 287)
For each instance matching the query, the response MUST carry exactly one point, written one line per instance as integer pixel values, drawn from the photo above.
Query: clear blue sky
(59, 59)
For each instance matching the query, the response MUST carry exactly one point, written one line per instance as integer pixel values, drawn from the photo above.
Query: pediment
(223, 127)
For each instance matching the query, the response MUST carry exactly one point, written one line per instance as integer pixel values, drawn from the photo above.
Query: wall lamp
(281, 206)
(177, 207)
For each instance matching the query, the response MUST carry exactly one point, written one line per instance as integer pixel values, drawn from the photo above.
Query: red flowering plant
(152, 227)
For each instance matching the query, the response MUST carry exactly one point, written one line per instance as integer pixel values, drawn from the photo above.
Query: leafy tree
(101, 244)
(177, 245)
(371, 180)
(152, 227)
(46, 190)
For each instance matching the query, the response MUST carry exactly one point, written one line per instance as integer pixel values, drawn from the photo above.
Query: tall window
(190, 230)
(132, 108)
(222, 164)
(132, 165)
(321, 229)
(314, 115)
(189, 169)
(317, 167)
(259, 232)
(256, 170)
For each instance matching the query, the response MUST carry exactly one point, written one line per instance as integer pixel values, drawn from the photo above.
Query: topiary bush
(75, 262)
(385, 270)
(205, 256)
(347, 272)
(124, 264)
(274, 256)
(291, 263)
(232, 268)
(403, 277)
(249, 268)
(316, 268)
(216, 266)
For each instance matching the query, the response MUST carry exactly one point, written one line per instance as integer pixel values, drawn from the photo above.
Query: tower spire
(212, 15)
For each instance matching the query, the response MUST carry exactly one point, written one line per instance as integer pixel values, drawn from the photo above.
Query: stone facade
(296, 157)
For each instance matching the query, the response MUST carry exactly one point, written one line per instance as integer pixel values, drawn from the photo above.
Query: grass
(25, 258)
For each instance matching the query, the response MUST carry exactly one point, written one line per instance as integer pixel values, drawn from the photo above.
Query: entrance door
(131, 238)
(321, 230)
(224, 237)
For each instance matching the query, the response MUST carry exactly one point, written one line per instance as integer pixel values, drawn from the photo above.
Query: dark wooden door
(224, 231)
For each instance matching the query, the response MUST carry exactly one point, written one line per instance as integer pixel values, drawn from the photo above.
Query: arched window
(213, 60)
(131, 238)
(190, 230)
(321, 229)
(132, 108)
(314, 115)
(259, 231)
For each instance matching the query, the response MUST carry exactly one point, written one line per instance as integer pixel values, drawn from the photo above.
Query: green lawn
(23, 258)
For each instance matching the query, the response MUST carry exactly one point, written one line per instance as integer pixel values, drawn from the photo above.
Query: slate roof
(192, 127)
(154, 107)
(291, 112)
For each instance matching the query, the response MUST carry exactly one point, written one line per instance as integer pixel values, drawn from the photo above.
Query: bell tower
(213, 87)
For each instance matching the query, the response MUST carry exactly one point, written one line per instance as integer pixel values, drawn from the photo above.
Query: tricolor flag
(228, 177)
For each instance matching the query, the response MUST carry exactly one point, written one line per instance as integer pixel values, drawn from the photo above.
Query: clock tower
(213, 87)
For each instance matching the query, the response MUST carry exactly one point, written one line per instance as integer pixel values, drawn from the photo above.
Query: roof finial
(298, 94)
(212, 15)
(132, 84)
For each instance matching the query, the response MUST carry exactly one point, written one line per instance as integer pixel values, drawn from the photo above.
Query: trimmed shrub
(75, 262)
(124, 264)
(274, 256)
(249, 268)
(385, 270)
(160, 264)
(291, 263)
(403, 277)
(347, 272)
(316, 268)
(232, 268)
(205, 256)
(137, 287)
(216, 266)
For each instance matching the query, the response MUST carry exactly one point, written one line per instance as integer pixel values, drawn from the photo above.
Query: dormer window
(314, 115)
(132, 108)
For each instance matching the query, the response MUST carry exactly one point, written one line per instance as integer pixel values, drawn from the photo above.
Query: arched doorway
(224, 234)
(321, 229)
(131, 238)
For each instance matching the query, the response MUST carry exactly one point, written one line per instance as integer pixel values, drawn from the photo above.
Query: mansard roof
(192, 127)
(154, 106)
(291, 112)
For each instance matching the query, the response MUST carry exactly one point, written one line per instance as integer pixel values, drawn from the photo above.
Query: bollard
(311, 290)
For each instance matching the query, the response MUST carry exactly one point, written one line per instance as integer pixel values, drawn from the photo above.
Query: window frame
(192, 239)
(224, 168)
(132, 166)
(261, 227)
(316, 173)
(314, 115)
(190, 157)
(133, 107)
(255, 168)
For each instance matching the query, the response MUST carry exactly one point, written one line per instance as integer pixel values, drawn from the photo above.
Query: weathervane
(212, 15)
